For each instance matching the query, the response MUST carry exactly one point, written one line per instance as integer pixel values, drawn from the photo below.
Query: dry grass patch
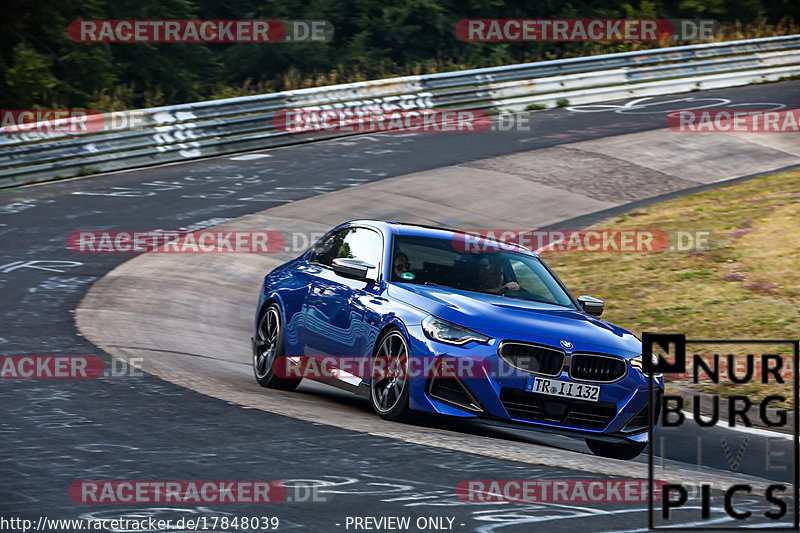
(745, 285)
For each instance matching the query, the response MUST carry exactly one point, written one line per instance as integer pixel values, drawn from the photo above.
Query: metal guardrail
(202, 129)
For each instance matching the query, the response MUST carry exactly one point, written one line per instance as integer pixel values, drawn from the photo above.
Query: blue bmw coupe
(418, 318)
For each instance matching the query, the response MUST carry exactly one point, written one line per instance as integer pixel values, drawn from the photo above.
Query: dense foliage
(41, 67)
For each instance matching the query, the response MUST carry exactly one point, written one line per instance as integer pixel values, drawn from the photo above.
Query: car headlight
(636, 362)
(444, 331)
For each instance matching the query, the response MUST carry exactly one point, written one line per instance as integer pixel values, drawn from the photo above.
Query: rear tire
(389, 380)
(614, 450)
(268, 351)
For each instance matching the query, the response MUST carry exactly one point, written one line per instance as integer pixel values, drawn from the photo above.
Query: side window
(325, 251)
(352, 243)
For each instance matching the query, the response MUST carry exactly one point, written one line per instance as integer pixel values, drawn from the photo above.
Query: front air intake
(640, 421)
(563, 411)
(445, 387)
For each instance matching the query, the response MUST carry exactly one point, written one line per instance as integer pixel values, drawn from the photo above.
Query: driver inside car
(400, 266)
(490, 277)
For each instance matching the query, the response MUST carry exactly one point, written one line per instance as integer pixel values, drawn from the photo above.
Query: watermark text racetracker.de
(414, 367)
(168, 492)
(172, 492)
(270, 241)
(367, 120)
(575, 30)
(594, 240)
(199, 31)
(68, 121)
(180, 242)
(66, 367)
(734, 121)
(556, 490)
(343, 367)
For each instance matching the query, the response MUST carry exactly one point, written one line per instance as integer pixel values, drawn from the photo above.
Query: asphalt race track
(137, 427)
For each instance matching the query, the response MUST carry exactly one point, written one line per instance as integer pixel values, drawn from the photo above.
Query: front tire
(614, 450)
(268, 350)
(389, 379)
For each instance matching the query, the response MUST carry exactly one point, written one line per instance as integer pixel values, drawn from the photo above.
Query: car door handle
(319, 290)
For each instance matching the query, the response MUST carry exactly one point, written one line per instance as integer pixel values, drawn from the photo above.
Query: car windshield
(491, 269)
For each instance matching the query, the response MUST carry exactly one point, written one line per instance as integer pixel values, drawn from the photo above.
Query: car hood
(488, 312)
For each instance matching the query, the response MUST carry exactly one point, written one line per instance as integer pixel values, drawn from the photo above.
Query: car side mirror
(593, 306)
(353, 268)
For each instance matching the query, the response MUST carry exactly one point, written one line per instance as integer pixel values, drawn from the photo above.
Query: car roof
(422, 230)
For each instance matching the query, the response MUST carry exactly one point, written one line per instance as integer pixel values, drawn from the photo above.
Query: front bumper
(494, 393)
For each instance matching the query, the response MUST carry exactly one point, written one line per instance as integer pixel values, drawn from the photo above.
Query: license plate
(563, 389)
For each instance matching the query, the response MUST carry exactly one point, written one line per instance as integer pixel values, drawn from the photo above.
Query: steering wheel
(521, 291)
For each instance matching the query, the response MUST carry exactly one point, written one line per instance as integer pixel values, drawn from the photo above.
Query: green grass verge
(745, 285)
